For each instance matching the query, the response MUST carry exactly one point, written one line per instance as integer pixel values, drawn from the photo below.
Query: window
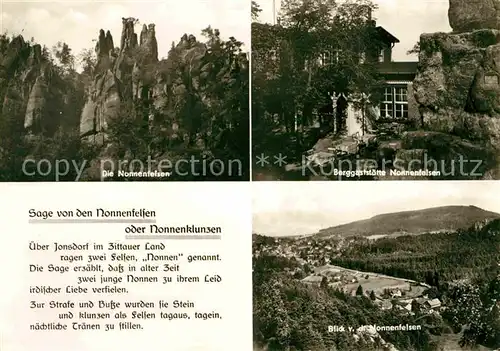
(326, 58)
(330, 56)
(394, 103)
(381, 56)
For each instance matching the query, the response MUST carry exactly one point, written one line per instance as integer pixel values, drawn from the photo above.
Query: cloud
(78, 23)
(76, 16)
(285, 208)
(15, 25)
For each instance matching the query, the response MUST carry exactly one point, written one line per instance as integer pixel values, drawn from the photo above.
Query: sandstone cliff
(136, 74)
(30, 80)
(127, 104)
(457, 86)
(469, 15)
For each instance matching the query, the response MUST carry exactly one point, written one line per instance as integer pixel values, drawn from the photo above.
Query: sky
(78, 23)
(405, 19)
(299, 208)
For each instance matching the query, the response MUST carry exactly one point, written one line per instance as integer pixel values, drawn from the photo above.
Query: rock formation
(28, 80)
(37, 103)
(148, 42)
(457, 85)
(469, 15)
(104, 51)
(131, 72)
(118, 76)
(40, 97)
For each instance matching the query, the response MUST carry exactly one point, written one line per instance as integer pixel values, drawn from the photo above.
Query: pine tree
(324, 283)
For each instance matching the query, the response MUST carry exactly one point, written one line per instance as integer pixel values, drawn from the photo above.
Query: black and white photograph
(375, 90)
(125, 91)
(363, 266)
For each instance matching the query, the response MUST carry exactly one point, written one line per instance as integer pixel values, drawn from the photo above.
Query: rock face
(459, 71)
(36, 105)
(149, 43)
(133, 72)
(457, 86)
(469, 15)
(118, 76)
(28, 81)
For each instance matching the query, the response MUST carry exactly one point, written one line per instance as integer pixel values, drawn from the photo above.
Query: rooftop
(401, 67)
(386, 35)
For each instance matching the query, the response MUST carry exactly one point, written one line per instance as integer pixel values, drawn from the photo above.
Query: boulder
(454, 157)
(468, 15)
(410, 160)
(458, 92)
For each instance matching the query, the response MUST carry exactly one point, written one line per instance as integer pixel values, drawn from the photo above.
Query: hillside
(438, 219)
(126, 105)
(289, 315)
(461, 267)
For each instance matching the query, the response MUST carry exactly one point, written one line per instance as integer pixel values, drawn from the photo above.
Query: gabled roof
(386, 35)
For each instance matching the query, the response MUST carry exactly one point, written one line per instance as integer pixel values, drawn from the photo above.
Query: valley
(445, 281)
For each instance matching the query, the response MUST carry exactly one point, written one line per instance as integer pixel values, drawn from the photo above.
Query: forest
(289, 315)
(429, 258)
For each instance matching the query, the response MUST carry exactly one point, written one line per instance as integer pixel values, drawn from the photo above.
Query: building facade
(398, 104)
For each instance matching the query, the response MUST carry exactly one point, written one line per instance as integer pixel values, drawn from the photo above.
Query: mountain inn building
(398, 103)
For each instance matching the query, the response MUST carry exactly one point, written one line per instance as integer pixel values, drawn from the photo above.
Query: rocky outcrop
(102, 105)
(128, 39)
(103, 97)
(104, 94)
(370, 335)
(453, 156)
(134, 73)
(119, 75)
(148, 43)
(469, 15)
(187, 56)
(29, 81)
(40, 94)
(457, 86)
(37, 102)
(105, 52)
(459, 71)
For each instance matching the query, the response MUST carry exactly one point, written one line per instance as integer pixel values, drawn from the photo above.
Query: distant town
(387, 292)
